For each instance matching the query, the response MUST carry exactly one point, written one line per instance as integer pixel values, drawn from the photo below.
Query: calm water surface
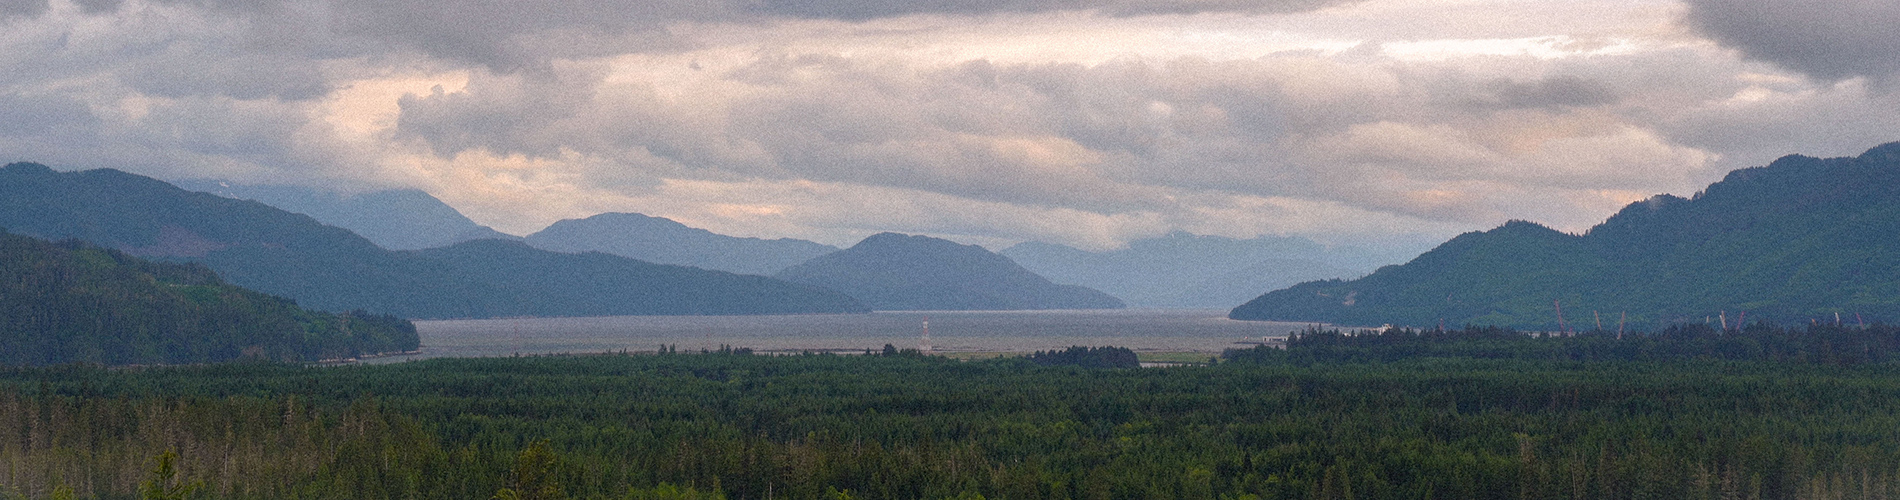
(1169, 330)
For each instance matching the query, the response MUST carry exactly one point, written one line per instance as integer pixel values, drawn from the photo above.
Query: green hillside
(1799, 240)
(72, 302)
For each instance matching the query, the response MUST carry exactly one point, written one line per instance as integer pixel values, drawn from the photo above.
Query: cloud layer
(1828, 40)
(1088, 123)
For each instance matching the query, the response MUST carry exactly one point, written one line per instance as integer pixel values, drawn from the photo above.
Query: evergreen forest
(1799, 240)
(71, 302)
(1479, 413)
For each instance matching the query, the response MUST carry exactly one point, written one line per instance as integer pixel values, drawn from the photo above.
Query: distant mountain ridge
(661, 240)
(1187, 270)
(254, 245)
(1801, 239)
(897, 272)
(397, 219)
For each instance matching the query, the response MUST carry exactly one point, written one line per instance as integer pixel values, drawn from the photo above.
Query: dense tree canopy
(72, 302)
(1800, 240)
(1449, 422)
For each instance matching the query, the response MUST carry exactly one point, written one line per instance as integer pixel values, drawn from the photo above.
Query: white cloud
(1087, 123)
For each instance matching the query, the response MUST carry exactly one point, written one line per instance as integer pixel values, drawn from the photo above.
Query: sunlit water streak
(1151, 330)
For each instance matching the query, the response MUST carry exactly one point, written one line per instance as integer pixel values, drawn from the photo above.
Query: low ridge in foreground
(71, 302)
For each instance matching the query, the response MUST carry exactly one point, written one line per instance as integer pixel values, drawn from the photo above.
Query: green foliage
(1816, 344)
(70, 302)
(1087, 357)
(816, 426)
(165, 481)
(534, 476)
(669, 491)
(1800, 240)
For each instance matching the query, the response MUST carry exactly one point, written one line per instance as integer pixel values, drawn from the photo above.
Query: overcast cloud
(1080, 122)
(1828, 40)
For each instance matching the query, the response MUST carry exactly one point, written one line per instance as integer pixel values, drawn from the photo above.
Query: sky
(1082, 122)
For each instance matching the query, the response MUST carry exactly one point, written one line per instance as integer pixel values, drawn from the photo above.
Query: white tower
(924, 345)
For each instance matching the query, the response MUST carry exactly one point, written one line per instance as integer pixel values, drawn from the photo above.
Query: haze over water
(1168, 330)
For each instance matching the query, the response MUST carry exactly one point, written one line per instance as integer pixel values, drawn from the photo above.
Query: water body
(1150, 330)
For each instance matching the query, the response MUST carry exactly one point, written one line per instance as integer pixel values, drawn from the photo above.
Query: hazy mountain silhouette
(896, 272)
(1799, 240)
(1187, 270)
(398, 219)
(661, 240)
(325, 267)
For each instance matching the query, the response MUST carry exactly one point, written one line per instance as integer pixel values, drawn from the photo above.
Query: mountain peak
(27, 168)
(639, 219)
(1884, 153)
(395, 219)
(893, 271)
(665, 241)
(1524, 227)
(900, 240)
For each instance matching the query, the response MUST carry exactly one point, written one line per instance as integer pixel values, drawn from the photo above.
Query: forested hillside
(1802, 239)
(71, 302)
(323, 267)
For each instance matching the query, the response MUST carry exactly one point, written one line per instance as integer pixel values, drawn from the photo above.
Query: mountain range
(1187, 270)
(267, 249)
(891, 271)
(397, 219)
(661, 240)
(1176, 270)
(1800, 240)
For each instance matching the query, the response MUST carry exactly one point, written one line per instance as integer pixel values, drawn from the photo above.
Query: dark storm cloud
(1825, 39)
(872, 9)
